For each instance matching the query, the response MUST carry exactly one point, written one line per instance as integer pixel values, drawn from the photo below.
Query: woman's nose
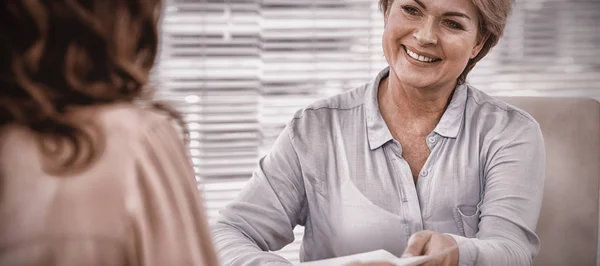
(426, 34)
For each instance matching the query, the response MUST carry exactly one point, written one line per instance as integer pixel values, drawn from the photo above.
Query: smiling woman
(492, 16)
(413, 162)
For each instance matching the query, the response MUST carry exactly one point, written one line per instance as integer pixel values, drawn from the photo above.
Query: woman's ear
(480, 43)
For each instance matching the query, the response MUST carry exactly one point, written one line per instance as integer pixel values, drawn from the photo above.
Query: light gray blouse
(337, 170)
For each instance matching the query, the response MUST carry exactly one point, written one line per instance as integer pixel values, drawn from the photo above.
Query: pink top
(136, 204)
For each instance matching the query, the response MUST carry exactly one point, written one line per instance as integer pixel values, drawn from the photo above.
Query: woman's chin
(419, 79)
(416, 80)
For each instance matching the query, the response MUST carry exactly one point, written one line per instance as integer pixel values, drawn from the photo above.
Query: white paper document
(376, 256)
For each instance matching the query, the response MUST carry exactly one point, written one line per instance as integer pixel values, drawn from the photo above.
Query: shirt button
(424, 173)
(431, 139)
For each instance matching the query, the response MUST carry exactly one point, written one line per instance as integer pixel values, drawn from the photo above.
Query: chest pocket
(467, 220)
(467, 213)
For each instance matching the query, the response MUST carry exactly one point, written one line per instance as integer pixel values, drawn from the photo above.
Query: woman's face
(428, 43)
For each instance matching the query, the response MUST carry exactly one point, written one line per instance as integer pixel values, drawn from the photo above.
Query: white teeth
(418, 57)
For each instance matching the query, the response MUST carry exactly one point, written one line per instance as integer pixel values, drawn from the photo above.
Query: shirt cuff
(467, 250)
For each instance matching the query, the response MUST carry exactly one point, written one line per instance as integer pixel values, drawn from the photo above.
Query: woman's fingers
(417, 244)
(437, 244)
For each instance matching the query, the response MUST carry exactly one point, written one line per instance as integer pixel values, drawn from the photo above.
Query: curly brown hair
(64, 53)
(493, 15)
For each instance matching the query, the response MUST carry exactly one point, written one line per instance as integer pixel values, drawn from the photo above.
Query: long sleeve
(263, 216)
(511, 204)
(169, 226)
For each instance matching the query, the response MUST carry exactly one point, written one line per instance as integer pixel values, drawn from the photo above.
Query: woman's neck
(417, 108)
(416, 102)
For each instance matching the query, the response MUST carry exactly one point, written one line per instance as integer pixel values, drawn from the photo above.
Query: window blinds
(239, 69)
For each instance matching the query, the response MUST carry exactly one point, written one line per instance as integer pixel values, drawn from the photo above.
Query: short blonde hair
(493, 15)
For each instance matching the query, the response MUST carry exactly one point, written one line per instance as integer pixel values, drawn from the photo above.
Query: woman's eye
(453, 24)
(411, 10)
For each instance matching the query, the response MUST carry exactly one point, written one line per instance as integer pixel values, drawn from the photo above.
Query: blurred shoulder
(127, 119)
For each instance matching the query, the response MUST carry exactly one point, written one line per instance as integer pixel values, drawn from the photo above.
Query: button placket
(394, 152)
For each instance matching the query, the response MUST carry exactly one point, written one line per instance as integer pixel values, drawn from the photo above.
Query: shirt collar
(453, 117)
(377, 130)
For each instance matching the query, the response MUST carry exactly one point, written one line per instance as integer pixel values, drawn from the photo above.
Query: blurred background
(239, 69)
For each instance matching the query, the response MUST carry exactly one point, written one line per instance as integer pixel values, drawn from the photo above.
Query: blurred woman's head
(457, 34)
(65, 53)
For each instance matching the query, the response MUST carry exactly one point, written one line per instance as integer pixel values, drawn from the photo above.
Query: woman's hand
(426, 243)
(431, 243)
